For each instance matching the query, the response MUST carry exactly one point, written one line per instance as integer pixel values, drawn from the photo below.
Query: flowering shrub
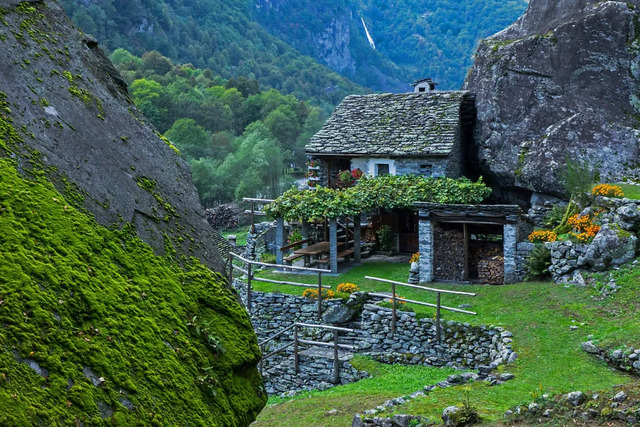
(312, 174)
(347, 288)
(357, 173)
(415, 258)
(583, 228)
(607, 190)
(542, 236)
(313, 163)
(397, 300)
(313, 293)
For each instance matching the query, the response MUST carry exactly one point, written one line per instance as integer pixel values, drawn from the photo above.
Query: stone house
(421, 133)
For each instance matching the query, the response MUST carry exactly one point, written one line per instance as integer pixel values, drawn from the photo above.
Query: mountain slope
(413, 38)
(216, 34)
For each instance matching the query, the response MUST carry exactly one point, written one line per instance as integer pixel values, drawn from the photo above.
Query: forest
(240, 141)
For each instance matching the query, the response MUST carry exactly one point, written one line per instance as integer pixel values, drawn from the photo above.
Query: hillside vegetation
(216, 34)
(256, 39)
(237, 138)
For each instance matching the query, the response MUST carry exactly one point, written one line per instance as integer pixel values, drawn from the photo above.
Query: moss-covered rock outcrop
(95, 327)
(71, 105)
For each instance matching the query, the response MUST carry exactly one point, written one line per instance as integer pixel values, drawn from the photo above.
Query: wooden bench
(344, 254)
(288, 260)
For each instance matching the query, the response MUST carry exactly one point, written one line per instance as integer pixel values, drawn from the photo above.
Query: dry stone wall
(461, 345)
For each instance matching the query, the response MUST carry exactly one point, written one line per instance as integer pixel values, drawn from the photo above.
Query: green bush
(538, 263)
(385, 238)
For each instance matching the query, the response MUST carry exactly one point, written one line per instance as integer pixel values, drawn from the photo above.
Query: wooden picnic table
(316, 250)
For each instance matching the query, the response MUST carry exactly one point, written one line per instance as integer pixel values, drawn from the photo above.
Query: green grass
(631, 191)
(387, 382)
(240, 233)
(538, 314)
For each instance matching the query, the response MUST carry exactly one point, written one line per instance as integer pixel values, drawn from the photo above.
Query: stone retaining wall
(462, 345)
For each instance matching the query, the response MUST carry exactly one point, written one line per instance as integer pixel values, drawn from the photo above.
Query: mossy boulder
(71, 105)
(105, 317)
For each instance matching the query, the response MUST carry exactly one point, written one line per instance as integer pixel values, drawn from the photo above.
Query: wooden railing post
(438, 332)
(261, 357)
(336, 360)
(249, 287)
(296, 362)
(230, 260)
(393, 309)
(319, 296)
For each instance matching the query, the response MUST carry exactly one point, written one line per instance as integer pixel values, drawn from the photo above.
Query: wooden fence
(437, 305)
(297, 341)
(250, 277)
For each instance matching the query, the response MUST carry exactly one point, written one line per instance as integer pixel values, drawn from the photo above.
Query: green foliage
(383, 192)
(217, 34)
(555, 216)
(563, 227)
(76, 297)
(577, 178)
(385, 238)
(538, 263)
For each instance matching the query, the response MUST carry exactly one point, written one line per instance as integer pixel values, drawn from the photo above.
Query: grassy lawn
(240, 233)
(631, 191)
(538, 314)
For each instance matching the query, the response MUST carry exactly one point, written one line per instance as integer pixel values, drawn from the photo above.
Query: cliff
(95, 326)
(562, 80)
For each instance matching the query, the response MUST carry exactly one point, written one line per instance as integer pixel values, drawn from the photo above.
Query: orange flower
(542, 236)
(607, 190)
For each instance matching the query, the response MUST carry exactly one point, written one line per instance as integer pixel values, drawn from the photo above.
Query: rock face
(96, 328)
(73, 108)
(562, 80)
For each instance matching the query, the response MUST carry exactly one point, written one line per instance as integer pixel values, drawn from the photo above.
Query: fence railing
(437, 305)
(248, 271)
(297, 341)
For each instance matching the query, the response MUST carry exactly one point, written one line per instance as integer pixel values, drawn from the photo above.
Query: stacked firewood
(223, 217)
(490, 265)
(449, 255)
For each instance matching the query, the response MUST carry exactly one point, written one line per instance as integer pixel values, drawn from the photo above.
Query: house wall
(440, 166)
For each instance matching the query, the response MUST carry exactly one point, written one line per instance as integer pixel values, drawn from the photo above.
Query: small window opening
(426, 169)
(382, 169)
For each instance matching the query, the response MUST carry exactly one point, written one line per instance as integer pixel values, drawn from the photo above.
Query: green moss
(76, 295)
(166, 141)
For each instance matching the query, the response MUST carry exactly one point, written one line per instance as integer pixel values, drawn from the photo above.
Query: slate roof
(407, 124)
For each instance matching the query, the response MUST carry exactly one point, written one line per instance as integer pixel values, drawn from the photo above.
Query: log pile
(223, 217)
(448, 255)
(490, 265)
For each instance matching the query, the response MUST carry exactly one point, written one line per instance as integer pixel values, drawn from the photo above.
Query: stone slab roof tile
(407, 124)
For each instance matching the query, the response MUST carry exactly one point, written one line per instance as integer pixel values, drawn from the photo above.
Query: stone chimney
(424, 85)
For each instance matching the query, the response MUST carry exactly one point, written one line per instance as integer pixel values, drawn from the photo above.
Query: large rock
(563, 79)
(611, 247)
(73, 107)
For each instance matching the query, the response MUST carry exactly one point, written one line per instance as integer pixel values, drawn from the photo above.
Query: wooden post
(319, 295)
(393, 309)
(261, 357)
(357, 237)
(296, 362)
(253, 222)
(249, 287)
(466, 252)
(438, 332)
(336, 359)
(230, 260)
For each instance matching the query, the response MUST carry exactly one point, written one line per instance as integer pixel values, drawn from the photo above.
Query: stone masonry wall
(462, 345)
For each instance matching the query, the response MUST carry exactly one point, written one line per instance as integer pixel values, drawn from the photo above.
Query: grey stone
(621, 396)
(576, 398)
(636, 365)
(357, 421)
(589, 347)
(617, 354)
(610, 248)
(534, 408)
(339, 314)
(547, 413)
(447, 415)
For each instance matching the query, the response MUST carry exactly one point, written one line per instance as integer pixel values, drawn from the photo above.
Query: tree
(193, 141)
